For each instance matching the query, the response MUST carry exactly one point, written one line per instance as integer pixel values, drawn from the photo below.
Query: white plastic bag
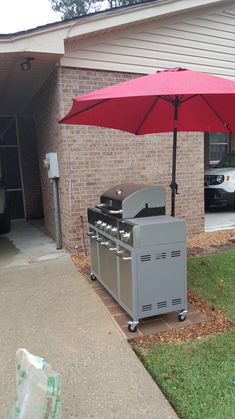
(37, 387)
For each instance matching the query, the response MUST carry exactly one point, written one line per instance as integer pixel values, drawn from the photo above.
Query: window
(218, 146)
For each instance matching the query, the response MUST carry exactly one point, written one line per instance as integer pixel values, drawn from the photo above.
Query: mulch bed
(210, 243)
(217, 322)
(197, 245)
(82, 263)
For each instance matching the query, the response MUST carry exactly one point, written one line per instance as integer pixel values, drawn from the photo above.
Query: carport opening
(20, 168)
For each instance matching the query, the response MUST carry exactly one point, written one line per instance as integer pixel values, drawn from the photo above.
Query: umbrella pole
(173, 185)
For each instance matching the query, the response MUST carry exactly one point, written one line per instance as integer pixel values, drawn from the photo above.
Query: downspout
(57, 217)
(51, 164)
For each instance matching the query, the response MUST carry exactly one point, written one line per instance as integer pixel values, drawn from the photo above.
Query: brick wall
(92, 159)
(99, 158)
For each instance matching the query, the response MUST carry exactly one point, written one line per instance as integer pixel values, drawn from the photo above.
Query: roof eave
(97, 22)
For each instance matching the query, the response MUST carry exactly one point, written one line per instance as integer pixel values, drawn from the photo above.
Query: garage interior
(21, 177)
(21, 76)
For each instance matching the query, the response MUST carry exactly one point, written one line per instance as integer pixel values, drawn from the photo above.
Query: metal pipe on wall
(57, 217)
(51, 164)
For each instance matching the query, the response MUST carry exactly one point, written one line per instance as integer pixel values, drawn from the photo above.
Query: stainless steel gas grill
(138, 253)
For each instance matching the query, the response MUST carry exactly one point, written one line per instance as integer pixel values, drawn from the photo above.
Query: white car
(220, 182)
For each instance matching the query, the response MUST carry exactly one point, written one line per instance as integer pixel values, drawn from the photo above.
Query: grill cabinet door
(125, 272)
(108, 268)
(161, 279)
(94, 255)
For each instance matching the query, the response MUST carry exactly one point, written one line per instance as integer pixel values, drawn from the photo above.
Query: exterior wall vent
(147, 307)
(161, 304)
(145, 258)
(161, 255)
(176, 301)
(175, 253)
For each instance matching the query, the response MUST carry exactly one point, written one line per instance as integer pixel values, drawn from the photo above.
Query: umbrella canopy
(169, 100)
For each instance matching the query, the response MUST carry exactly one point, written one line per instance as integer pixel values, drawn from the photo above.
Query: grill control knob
(98, 223)
(103, 225)
(126, 236)
(108, 228)
(114, 231)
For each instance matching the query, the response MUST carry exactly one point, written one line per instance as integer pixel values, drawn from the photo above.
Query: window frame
(214, 162)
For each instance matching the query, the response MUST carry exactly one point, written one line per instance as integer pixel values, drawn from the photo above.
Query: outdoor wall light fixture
(26, 65)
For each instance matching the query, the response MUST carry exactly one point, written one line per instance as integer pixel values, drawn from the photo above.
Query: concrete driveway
(47, 307)
(219, 219)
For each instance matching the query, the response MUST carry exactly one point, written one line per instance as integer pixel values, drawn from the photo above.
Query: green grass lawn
(197, 376)
(213, 278)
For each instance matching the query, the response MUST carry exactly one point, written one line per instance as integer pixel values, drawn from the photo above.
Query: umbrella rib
(216, 113)
(188, 98)
(170, 99)
(156, 99)
(86, 109)
(167, 99)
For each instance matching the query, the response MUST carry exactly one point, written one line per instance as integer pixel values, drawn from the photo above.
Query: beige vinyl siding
(203, 42)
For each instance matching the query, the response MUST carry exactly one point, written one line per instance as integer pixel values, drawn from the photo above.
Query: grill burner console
(138, 253)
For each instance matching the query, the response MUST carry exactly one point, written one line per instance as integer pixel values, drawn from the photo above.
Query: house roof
(63, 22)
(99, 21)
(46, 44)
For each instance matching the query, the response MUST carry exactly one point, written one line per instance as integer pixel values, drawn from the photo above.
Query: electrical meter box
(51, 163)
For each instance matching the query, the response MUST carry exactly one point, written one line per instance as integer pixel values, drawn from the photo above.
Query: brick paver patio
(148, 326)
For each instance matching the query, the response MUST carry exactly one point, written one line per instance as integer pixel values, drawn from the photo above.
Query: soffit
(17, 87)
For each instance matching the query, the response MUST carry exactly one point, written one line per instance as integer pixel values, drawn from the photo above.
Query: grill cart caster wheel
(132, 326)
(182, 315)
(93, 277)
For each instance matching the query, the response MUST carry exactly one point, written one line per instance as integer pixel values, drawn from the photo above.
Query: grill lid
(120, 192)
(132, 200)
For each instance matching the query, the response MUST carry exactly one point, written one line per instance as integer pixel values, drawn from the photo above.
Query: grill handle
(119, 254)
(111, 248)
(102, 207)
(92, 235)
(105, 243)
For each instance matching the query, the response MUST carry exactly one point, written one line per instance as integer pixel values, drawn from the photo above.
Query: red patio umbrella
(169, 100)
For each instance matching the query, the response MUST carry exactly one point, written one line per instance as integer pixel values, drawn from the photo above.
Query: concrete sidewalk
(26, 244)
(50, 309)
